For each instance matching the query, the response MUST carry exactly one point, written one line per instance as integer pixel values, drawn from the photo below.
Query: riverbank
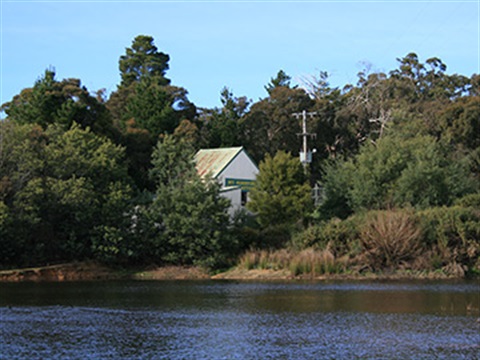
(89, 271)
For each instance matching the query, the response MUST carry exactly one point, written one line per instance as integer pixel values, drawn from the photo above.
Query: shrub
(338, 236)
(281, 194)
(470, 200)
(391, 237)
(275, 236)
(454, 235)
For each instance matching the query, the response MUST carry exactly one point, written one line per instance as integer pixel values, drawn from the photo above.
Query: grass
(391, 237)
(305, 262)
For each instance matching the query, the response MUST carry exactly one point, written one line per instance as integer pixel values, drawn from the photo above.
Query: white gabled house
(232, 168)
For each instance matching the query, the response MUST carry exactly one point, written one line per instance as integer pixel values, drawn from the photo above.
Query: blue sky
(238, 44)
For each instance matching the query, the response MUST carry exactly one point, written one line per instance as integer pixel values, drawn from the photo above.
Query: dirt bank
(88, 271)
(93, 271)
(172, 273)
(61, 272)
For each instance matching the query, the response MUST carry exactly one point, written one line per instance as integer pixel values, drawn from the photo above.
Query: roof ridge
(222, 148)
(215, 163)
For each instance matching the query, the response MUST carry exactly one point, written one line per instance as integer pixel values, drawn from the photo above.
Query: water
(240, 320)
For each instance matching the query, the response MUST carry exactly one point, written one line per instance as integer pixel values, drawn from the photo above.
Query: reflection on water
(240, 320)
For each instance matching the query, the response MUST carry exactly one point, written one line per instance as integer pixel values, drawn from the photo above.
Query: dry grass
(305, 262)
(390, 238)
(264, 259)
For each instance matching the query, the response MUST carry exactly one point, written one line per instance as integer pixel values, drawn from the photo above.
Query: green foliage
(145, 95)
(3, 217)
(337, 184)
(143, 60)
(269, 125)
(281, 194)
(416, 171)
(274, 236)
(62, 103)
(281, 80)
(460, 122)
(192, 215)
(173, 162)
(454, 234)
(145, 106)
(150, 107)
(470, 200)
(340, 237)
(138, 145)
(157, 109)
(8, 247)
(403, 139)
(220, 127)
(438, 238)
(54, 210)
(195, 219)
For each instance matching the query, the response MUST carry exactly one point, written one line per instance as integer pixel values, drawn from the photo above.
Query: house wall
(241, 168)
(235, 197)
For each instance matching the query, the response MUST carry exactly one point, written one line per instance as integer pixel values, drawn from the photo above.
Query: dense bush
(390, 238)
(453, 233)
(470, 200)
(54, 210)
(281, 194)
(441, 238)
(192, 215)
(339, 236)
(397, 172)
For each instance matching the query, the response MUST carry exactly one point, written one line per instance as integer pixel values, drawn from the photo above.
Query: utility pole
(305, 154)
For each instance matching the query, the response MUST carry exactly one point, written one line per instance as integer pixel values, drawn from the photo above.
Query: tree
(281, 80)
(59, 102)
(143, 60)
(399, 171)
(151, 109)
(192, 216)
(333, 132)
(269, 125)
(460, 122)
(146, 106)
(20, 149)
(220, 127)
(281, 194)
(61, 189)
(145, 97)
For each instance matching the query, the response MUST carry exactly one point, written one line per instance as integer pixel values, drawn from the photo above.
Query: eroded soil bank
(61, 272)
(87, 271)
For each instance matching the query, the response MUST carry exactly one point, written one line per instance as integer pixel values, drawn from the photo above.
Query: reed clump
(391, 237)
(266, 259)
(305, 262)
(315, 262)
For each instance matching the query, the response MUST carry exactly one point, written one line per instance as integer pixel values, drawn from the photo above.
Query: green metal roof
(214, 161)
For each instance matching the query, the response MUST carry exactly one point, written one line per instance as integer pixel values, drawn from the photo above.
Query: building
(232, 168)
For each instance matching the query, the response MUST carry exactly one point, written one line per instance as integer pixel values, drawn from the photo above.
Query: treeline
(83, 176)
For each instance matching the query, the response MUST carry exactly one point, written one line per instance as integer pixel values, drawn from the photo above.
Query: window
(244, 197)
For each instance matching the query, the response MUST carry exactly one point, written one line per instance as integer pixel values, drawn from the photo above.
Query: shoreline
(90, 271)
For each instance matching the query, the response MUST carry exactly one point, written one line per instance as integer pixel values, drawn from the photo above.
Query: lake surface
(240, 320)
